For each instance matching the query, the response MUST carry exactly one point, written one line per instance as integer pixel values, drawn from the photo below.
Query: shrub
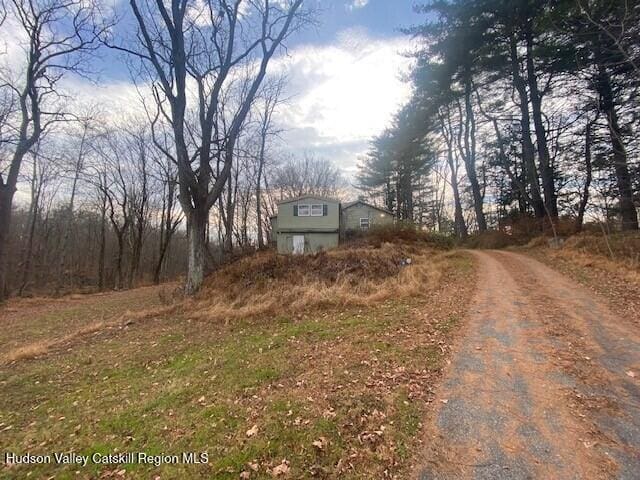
(402, 233)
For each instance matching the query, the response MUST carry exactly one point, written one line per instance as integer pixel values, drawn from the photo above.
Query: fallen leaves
(320, 444)
(281, 469)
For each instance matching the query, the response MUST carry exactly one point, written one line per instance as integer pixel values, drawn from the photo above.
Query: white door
(298, 244)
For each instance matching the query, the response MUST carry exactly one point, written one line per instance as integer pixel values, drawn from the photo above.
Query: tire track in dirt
(538, 386)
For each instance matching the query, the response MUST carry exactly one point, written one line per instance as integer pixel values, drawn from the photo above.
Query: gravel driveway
(545, 383)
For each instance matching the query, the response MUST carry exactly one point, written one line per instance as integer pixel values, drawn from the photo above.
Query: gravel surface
(545, 383)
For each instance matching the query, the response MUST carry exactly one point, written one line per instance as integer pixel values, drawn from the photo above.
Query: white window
(364, 223)
(317, 210)
(303, 210)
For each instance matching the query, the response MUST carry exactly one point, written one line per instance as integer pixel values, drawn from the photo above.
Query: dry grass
(617, 254)
(609, 265)
(623, 248)
(333, 392)
(271, 284)
(44, 346)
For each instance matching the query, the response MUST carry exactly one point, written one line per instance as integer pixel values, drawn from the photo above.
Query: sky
(345, 78)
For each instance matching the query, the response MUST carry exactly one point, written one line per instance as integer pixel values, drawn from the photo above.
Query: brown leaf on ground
(320, 443)
(281, 469)
(252, 431)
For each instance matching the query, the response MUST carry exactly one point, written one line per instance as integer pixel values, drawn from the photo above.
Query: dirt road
(545, 383)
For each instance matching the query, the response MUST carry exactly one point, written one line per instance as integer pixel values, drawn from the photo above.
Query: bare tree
(77, 165)
(217, 48)
(41, 176)
(166, 175)
(114, 183)
(138, 145)
(269, 100)
(58, 37)
(306, 175)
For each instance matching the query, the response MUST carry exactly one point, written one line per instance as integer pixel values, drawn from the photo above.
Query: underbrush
(271, 284)
(623, 247)
(491, 239)
(620, 250)
(400, 233)
(609, 265)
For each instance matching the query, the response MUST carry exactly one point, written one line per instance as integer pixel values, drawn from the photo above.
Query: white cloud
(357, 4)
(344, 93)
(341, 94)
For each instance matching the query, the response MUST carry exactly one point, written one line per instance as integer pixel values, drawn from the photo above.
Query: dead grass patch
(272, 284)
(42, 347)
(587, 259)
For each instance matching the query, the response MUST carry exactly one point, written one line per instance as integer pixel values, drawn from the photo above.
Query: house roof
(317, 197)
(361, 202)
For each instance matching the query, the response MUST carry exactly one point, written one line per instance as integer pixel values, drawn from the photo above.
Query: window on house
(303, 210)
(317, 210)
(364, 223)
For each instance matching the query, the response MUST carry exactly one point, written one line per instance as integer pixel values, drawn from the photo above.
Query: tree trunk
(546, 170)
(259, 193)
(470, 158)
(196, 228)
(460, 226)
(584, 200)
(6, 198)
(228, 224)
(528, 151)
(103, 243)
(626, 205)
(31, 227)
(29, 245)
(67, 231)
(119, 283)
(7, 191)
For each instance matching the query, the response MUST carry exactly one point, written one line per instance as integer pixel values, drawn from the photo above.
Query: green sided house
(359, 215)
(311, 223)
(307, 224)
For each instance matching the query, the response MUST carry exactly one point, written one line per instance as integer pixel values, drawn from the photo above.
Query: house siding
(351, 217)
(288, 222)
(313, 241)
(320, 232)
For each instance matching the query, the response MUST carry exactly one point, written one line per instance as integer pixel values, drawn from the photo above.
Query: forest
(522, 118)
(97, 196)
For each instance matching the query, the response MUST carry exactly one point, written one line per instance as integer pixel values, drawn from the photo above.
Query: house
(312, 223)
(307, 224)
(360, 215)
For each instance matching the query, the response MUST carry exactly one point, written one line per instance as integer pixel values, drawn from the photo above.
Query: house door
(298, 244)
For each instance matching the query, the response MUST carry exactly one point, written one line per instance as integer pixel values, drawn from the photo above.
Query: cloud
(341, 94)
(354, 4)
(344, 93)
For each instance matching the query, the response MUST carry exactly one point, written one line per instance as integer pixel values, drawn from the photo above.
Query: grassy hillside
(313, 367)
(609, 265)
